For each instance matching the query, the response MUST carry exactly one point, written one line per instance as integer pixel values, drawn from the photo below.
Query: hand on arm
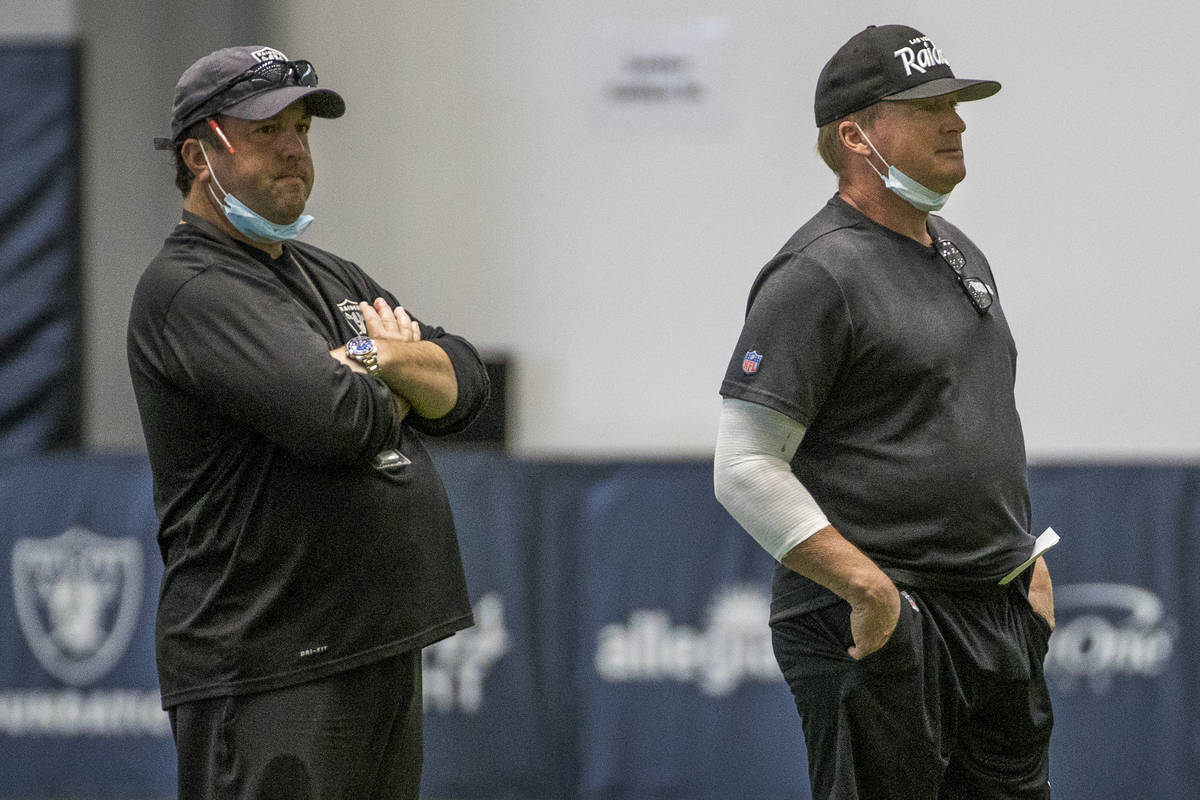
(400, 406)
(340, 354)
(420, 372)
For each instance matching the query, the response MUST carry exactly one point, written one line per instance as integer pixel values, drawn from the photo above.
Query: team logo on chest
(751, 362)
(349, 308)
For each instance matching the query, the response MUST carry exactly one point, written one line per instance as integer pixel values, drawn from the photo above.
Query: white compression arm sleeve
(753, 479)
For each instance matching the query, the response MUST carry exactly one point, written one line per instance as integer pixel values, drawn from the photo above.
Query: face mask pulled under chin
(917, 195)
(248, 222)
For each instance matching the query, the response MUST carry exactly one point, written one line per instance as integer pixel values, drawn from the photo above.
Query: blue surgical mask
(248, 222)
(918, 195)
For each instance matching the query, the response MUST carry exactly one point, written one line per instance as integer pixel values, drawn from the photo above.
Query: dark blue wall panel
(621, 649)
(40, 311)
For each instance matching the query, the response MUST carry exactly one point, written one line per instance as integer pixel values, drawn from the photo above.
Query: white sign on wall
(658, 75)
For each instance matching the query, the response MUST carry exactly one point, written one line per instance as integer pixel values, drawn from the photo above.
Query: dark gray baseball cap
(889, 62)
(249, 82)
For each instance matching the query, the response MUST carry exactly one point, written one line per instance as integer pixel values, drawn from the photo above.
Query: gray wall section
(134, 51)
(469, 178)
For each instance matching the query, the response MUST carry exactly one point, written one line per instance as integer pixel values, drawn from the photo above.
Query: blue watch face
(360, 346)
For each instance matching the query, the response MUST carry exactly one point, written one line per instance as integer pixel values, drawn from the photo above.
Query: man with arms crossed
(869, 440)
(308, 545)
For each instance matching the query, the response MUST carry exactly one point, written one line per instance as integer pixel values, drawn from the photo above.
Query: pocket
(1042, 624)
(812, 643)
(1040, 630)
(897, 652)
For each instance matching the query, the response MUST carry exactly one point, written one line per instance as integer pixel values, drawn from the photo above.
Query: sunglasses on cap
(978, 292)
(271, 74)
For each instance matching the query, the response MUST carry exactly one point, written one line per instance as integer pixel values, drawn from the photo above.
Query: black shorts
(353, 735)
(954, 705)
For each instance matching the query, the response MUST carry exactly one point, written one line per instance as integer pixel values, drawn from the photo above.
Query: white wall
(471, 178)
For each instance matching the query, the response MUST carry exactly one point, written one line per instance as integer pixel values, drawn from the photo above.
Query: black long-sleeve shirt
(287, 555)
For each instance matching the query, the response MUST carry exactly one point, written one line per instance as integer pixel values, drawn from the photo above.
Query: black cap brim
(964, 90)
(319, 102)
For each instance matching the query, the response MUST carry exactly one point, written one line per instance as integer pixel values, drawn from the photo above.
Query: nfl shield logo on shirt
(750, 362)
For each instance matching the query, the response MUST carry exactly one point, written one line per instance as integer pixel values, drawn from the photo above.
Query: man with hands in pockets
(869, 440)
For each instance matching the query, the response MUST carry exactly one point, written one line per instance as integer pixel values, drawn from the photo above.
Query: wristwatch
(363, 350)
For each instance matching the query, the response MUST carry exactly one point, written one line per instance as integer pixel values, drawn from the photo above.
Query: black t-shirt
(287, 555)
(913, 447)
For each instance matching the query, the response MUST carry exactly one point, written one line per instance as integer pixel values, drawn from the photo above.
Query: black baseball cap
(889, 62)
(249, 82)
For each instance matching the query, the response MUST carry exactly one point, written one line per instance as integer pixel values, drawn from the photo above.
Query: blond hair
(829, 141)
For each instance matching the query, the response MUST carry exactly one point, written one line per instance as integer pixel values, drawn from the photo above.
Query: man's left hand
(417, 370)
(383, 322)
(1041, 592)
